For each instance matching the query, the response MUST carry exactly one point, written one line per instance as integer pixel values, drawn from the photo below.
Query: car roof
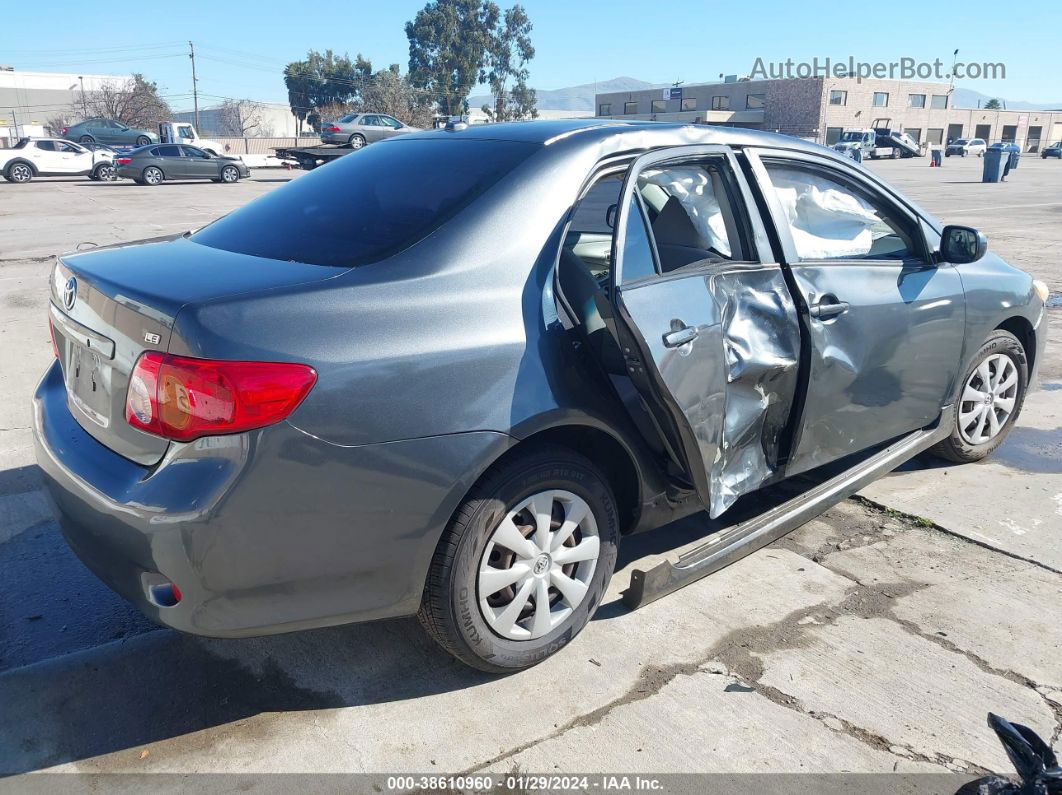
(593, 131)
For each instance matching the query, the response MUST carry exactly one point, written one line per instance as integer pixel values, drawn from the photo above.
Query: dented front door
(709, 331)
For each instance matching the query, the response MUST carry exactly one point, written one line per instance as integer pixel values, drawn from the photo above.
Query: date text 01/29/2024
(528, 782)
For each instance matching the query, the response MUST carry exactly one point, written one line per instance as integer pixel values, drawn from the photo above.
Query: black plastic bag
(1034, 760)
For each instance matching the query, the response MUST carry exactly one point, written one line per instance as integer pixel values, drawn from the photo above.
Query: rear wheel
(152, 175)
(19, 172)
(230, 174)
(142, 140)
(356, 141)
(992, 395)
(524, 562)
(86, 139)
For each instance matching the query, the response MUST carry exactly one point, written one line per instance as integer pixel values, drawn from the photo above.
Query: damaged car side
(445, 377)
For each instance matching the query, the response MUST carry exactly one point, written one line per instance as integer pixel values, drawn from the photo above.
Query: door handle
(680, 336)
(828, 306)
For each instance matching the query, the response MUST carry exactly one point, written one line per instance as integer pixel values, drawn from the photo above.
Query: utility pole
(195, 87)
(84, 104)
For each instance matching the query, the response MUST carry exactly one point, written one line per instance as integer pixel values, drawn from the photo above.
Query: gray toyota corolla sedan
(447, 375)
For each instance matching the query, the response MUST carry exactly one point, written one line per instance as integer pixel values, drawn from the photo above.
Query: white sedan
(54, 157)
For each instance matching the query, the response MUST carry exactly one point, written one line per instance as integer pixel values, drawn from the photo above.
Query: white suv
(54, 157)
(966, 146)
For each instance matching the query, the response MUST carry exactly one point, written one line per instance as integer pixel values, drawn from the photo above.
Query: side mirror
(610, 215)
(962, 244)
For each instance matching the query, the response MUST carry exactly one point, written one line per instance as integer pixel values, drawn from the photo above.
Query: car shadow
(164, 685)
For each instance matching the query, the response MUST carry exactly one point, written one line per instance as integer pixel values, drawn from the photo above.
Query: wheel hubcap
(20, 173)
(988, 399)
(537, 565)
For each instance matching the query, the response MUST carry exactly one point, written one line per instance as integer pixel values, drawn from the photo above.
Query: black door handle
(828, 306)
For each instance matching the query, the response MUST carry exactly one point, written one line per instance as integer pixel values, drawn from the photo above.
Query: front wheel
(524, 563)
(142, 140)
(992, 395)
(230, 174)
(86, 139)
(105, 172)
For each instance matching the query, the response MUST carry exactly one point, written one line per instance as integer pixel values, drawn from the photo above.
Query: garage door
(1056, 132)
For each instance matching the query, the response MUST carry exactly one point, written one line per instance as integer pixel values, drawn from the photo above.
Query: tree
(242, 118)
(134, 102)
(993, 104)
(389, 91)
(508, 50)
(447, 48)
(322, 79)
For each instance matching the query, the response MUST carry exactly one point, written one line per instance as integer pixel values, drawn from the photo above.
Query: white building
(31, 99)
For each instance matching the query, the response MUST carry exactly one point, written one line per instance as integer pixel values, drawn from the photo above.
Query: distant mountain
(575, 97)
(967, 98)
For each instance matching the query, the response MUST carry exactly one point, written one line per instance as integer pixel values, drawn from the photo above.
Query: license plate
(88, 383)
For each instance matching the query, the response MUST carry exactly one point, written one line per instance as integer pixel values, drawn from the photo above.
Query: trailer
(310, 157)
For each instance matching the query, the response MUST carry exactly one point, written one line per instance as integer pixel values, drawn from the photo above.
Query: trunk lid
(108, 306)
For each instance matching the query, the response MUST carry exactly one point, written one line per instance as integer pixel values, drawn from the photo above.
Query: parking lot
(874, 639)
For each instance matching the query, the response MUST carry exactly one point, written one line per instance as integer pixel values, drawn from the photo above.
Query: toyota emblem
(70, 293)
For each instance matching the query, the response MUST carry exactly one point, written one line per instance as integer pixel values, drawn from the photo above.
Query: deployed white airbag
(692, 186)
(824, 220)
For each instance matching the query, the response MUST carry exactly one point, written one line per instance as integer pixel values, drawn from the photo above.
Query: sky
(242, 53)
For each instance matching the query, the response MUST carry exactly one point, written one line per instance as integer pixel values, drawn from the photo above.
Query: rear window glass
(367, 205)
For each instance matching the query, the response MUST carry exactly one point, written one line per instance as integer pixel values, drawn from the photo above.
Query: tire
(967, 442)
(104, 172)
(452, 611)
(142, 140)
(19, 173)
(356, 141)
(230, 175)
(152, 175)
(86, 139)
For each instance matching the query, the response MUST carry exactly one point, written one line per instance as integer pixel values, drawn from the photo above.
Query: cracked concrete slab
(877, 676)
(966, 499)
(701, 722)
(360, 684)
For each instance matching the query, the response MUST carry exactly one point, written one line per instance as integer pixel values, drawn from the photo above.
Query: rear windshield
(367, 205)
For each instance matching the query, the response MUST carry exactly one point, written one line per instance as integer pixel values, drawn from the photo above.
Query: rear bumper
(265, 532)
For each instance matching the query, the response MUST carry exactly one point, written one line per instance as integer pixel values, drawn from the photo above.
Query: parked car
(358, 129)
(1054, 150)
(108, 131)
(966, 146)
(447, 376)
(53, 157)
(150, 165)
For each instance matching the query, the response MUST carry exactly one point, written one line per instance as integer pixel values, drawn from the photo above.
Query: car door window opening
(829, 217)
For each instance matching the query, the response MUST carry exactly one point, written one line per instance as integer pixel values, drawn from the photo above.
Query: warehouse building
(31, 101)
(820, 109)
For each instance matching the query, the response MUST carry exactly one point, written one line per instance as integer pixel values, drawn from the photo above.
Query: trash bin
(1015, 156)
(937, 159)
(996, 161)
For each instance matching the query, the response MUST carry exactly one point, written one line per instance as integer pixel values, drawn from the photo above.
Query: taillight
(182, 399)
(123, 161)
(64, 130)
(332, 129)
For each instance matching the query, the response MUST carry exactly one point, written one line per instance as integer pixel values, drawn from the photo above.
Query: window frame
(874, 100)
(842, 95)
(756, 247)
(653, 108)
(688, 103)
(873, 191)
(628, 104)
(725, 105)
(933, 101)
(604, 109)
(911, 102)
(762, 99)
